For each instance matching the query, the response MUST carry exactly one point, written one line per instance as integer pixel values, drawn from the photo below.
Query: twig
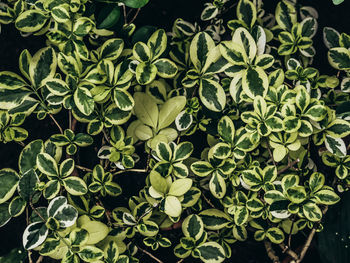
(83, 168)
(40, 259)
(21, 143)
(150, 255)
(208, 201)
(307, 245)
(131, 170)
(286, 249)
(30, 256)
(124, 13)
(134, 17)
(54, 120)
(36, 211)
(180, 261)
(288, 166)
(270, 252)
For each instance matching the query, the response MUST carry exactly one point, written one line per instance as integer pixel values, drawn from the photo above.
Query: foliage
(270, 150)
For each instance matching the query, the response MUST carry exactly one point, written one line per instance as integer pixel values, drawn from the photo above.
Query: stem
(208, 201)
(270, 252)
(150, 255)
(288, 166)
(36, 211)
(134, 17)
(270, 153)
(83, 168)
(286, 249)
(21, 143)
(307, 245)
(124, 13)
(54, 120)
(180, 261)
(40, 259)
(131, 170)
(30, 256)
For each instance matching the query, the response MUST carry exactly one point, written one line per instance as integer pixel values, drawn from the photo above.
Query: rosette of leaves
(59, 176)
(195, 242)
(137, 219)
(168, 192)
(156, 242)
(102, 182)
(148, 62)
(170, 159)
(338, 44)
(294, 36)
(71, 141)
(305, 201)
(263, 120)
(9, 127)
(153, 123)
(185, 118)
(341, 164)
(86, 205)
(59, 214)
(207, 62)
(79, 242)
(121, 151)
(247, 63)
(211, 10)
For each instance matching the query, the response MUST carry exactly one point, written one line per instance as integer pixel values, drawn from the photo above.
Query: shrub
(225, 126)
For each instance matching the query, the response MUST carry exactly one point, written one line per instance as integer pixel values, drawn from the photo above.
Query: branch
(150, 255)
(131, 170)
(134, 17)
(40, 259)
(286, 249)
(270, 252)
(83, 168)
(288, 166)
(54, 120)
(307, 245)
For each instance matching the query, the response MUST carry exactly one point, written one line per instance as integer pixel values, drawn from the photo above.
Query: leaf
(183, 151)
(75, 185)
(169, 111)
(90, 253)
(180, 186)
(246, 12)
(108, 17)
(10, 80)
(214, 219)
(193, 227)
(47, 165)
(336, 146)
(135, 3)
(226, 129)
(212, 95)
(158, 182)
(330, 37)
(97, 231)
(27, 185)
(339, 58)
(200, 46)
(275, 235)
(84, 100)
(145, 73)
(27, 157)
(172, 206)
(166, 68)
(146, 109)
(157, 43)
(255, 82)
(9, 180)
(112, 48)
(211, 252)
(9, 99)
(312, 212)
(34, 235)
(327, 197)
(286, 15)
(4, 215)
(30, 21)
(82, 26)
(57, 87)
(42, 66)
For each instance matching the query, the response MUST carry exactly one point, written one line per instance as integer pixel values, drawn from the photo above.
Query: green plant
(263, 117)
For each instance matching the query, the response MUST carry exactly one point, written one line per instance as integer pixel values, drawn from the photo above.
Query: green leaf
(10, 80)
(34, 235)
(112, 48)
(275, 235)
(312, 212)
(226, 129)
(316, 181)
(201, 168)
(84, 100)
(169, 111)
(135, 3)
(9, 180)
(166, 68)
(97, 231)
(42, 66)
(331, 37)
(5, 216)
(145, 73)
(157, 43)
(339, 58)
(75, 185)
(336, 146)
(108, 17)
(17, 206)
(200, 46)
(172, 206)
(146, 109)
(66, 167)
(47, 165)
(211, 252)
(212, 95)
(57, 87)
(82, 26)
(90, 253)
(214, 219)
(183, 151)
(296, 194)
(158, 182)
(255, 82)
(27, 157)
(193, 227)
(27, 185)
(180, 186)
(286, 15)
(217, 186)
(246, 12)
(30, 21)
(327, 197)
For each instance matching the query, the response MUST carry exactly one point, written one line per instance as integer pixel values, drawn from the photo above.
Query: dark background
(159, 13)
